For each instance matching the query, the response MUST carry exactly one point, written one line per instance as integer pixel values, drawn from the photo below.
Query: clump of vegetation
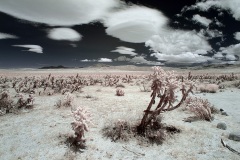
(67, 101)
(6, 104)
(119, 92)
(201, 108)
(208, 88)
(80, 125)
(165, 84)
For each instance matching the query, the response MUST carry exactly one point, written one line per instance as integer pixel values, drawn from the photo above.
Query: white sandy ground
(38, 134)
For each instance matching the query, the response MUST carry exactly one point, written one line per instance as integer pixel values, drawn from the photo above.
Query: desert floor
(40, 133)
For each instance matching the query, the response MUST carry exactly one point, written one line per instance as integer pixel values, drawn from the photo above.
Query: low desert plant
(66, 101)
(119, 92)
(82, 120)
(208, 88)
(200, 107)
(6, 104)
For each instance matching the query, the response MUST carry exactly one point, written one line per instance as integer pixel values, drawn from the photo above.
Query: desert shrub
(123, 130)
(120, 130)
(119, 92)
(6, 103)
(66, 101)
(200, 107)
(120, 86)
(82, 121)
(208, 88)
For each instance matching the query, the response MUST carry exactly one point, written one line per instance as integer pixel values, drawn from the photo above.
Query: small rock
(224, 113)
(222, 125)
(221, 110)
(234, 136)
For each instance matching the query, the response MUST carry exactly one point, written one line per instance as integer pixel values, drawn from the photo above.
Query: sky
(79, 33)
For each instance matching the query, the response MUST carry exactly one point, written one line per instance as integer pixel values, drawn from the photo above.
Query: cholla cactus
(6, 104)
(200, 107)
(82, 120)
(119, 92)
(164, 86)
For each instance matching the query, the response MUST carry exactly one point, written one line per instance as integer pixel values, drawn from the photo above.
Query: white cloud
(122, 59)
(64, 34)
(187, 57)
(232, 49)
(142, 60)
(31, 48)
(61, 13)
(125, 50)
(87, 60)
(178, 42)
(202, 20)
(231, 5)
(230, 57)
(105, 60)
(218, 56)
(209, 34)
(237, 36)
(7, 36)
(135, 24)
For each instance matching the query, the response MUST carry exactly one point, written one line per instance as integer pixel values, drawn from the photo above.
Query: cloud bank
(105, 60)
(54, 12)
(131, 25)
(64, 34)
(31, 48)
(187, 57)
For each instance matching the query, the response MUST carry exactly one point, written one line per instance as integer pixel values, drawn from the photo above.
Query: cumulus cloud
(53, 12)
(209, 34)
(202, 20)
(31, 48)
(177, 42)
(122, 59)
(232, 49)
(105, 60)
(64, 34)
(187, 57)
(7, 36)
(131, 25)
(142, 60)
(231, 5)
(125, 50)
(237, 36)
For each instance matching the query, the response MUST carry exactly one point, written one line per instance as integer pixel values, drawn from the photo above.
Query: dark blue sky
(211, 29)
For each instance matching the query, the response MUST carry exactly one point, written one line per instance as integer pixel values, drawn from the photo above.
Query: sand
(40, 133)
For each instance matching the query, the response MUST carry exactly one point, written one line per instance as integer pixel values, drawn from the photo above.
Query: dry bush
(119, 92)
(66, 101)
(208, 88)
(200, 107)
(6, 103)
(120, 86)
(122, 130)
